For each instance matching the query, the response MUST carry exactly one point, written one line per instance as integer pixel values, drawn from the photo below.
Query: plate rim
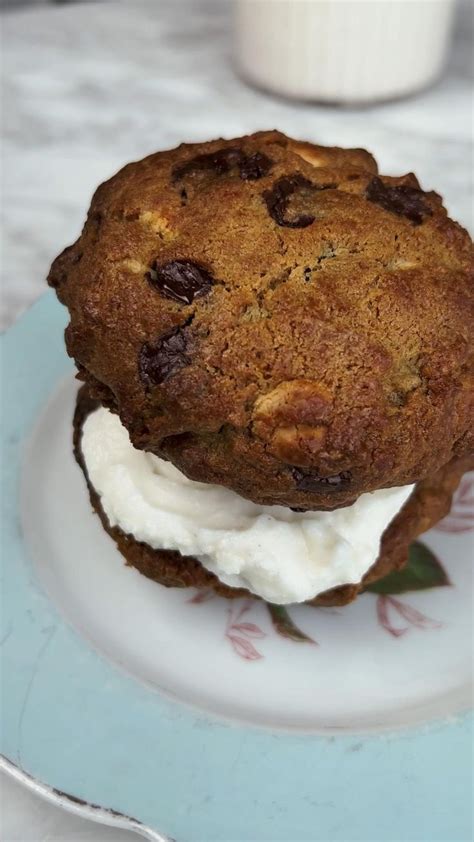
(71, 804)
(33, 360)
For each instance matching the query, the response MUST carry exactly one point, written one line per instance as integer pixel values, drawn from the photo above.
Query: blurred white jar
(342, 51)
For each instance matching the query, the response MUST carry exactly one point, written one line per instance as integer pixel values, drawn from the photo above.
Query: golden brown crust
(325, 333)
(429, 502)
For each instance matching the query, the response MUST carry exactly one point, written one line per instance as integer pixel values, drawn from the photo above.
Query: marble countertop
(89, 87)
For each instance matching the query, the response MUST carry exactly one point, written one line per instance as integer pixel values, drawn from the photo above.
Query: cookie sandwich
(276, 347)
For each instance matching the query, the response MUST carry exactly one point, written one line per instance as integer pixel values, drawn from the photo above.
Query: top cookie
(276, 317)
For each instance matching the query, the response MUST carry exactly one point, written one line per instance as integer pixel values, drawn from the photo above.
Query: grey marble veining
(89, 87)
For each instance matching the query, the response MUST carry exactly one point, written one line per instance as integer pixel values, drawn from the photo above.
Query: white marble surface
(89, 87)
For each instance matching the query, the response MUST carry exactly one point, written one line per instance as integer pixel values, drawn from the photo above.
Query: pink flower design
(461, 516)
(239, 633)
(203, 595)
(388, 604)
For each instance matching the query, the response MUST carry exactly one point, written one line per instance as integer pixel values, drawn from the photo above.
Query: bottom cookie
(428, 503)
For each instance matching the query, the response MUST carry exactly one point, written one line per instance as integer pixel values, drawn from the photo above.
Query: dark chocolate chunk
(307, 481)
(400, 199)
(278, 197)
(253, 167)
(250, 167)
(160, 360)
(180, 280)
(219, 162)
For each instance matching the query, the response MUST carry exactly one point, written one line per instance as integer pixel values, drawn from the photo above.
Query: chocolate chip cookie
(276, 317)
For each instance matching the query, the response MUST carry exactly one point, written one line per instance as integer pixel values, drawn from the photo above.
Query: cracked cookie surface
(276, 317)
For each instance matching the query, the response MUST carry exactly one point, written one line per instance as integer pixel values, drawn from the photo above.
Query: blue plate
(79, 725)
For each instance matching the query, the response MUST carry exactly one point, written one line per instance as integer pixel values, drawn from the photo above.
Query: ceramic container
(342, 51)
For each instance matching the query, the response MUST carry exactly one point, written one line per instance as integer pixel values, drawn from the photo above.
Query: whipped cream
(280, 555)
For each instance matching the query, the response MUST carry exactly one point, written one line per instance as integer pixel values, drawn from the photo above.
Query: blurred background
(87, 87)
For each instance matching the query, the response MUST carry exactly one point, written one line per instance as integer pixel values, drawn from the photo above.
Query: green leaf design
(422, 571)
(285, 626)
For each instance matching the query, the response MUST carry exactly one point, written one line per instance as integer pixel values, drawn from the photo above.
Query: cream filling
(280, 555)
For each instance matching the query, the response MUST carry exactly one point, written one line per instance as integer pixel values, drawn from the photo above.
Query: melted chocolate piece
(160, 360)
(219, 162)
(306, 481)
(255, 166)
(278, 198)
(401, 199)
(250, 167)
(180, 280)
